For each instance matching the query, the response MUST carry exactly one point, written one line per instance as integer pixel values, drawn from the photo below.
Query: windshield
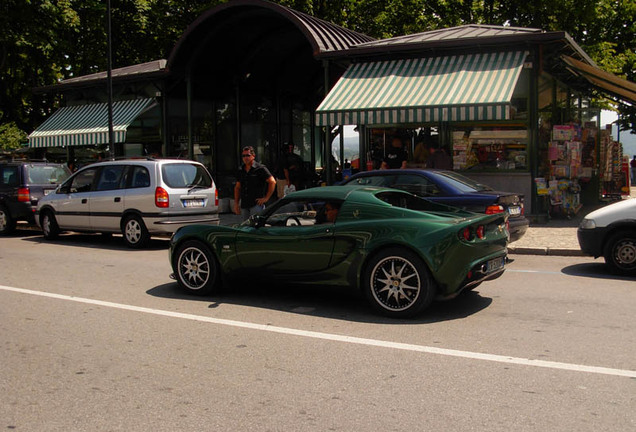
(462, 183)
(47, 174)
(182, 175)
(413, 202)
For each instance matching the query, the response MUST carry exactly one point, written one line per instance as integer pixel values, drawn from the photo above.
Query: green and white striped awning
(421, 90)
(87, 124)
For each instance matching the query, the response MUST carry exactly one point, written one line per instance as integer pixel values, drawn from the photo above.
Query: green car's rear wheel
(196, 268)
(397, 283)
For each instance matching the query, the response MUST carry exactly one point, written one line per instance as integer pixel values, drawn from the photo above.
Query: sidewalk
(556, 237)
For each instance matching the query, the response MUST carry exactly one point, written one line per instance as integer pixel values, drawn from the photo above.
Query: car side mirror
(63, 189)
(257, 221)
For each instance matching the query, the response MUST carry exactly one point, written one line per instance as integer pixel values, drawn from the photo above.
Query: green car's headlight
(587, 224)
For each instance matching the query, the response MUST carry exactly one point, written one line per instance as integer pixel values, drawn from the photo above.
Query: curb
(544, 251)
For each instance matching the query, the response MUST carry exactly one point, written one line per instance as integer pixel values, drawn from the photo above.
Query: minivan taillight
(24, 195)
(216, 197)
(162, 199)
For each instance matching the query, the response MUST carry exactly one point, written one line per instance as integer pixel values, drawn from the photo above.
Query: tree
(11, 137)
(44, 41)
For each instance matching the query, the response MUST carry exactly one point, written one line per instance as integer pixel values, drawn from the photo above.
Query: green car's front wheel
(397, 283)
(196, 268)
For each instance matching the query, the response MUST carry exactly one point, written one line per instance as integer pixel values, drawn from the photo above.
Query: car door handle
(117, 199)
(84, 201)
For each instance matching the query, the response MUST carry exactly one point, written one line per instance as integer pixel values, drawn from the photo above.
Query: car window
(417, 185)
(47, 174)
(183, 175)
(378, 180)
(463, 183)
(301, 212)
(140, 177)
(111, 177)
(412, 202)
(9, 176)
(83, 181)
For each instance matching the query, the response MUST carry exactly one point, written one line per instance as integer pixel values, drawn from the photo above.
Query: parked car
(454, 189)
(135, 197)
(401, 250)
(22, 185)
(611, 232)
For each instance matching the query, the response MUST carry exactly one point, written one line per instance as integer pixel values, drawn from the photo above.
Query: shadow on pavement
(340, 303)
(596, 270)
(92, 241)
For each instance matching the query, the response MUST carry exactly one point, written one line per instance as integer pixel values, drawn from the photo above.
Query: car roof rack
(148, 158)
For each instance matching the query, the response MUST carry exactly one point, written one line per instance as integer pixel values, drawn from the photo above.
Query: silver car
(135, 197)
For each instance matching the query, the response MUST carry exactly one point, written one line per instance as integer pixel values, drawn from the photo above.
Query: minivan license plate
(494, 264)
(193, 203)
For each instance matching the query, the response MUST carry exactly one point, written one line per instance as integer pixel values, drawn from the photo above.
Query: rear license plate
(514, 211)
(495, 264)
(193, 203)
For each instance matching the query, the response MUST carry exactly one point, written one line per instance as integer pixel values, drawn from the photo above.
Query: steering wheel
(292, 221)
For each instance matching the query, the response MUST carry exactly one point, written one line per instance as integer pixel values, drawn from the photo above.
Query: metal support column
(189, 114)
(326, 152)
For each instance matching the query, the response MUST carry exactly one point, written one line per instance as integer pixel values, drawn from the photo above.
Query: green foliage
(11, 137)
(44, 41)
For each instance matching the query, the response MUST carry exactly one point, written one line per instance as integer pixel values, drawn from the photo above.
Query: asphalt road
(96, 337)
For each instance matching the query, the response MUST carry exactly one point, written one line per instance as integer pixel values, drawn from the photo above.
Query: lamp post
(109, 83)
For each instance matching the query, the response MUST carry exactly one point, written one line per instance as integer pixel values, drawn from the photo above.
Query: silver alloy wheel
(133, 231)
(4, 220)
(46, 225)
(194, 268)
(395, 283)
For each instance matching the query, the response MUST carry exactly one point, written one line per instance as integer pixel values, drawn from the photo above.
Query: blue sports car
(453, 189)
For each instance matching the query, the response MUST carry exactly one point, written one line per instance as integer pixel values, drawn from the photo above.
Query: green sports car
(403, 251)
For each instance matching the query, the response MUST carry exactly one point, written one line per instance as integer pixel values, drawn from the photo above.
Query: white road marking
(336, 337)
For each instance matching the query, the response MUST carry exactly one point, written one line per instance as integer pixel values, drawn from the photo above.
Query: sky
(626, 138)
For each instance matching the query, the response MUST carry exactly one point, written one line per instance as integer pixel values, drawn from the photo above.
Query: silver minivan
(135, 197)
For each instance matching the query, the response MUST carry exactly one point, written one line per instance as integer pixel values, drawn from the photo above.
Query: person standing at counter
(396, 156)
(255, 185)
(439, 158)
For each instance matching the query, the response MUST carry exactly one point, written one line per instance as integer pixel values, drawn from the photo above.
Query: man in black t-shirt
(396, 156)
(254, 186)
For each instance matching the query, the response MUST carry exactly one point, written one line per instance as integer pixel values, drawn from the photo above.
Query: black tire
(7, 223)
(397, 283)
(50, 228)
(135, 233)
(620, 253)
(196, 268)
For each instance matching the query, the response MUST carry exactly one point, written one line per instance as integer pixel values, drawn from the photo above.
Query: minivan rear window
(183, 175)
(47, 174)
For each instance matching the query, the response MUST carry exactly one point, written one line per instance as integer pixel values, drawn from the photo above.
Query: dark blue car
(453, 189)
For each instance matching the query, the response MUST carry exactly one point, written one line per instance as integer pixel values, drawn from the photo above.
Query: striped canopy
(453, 88)
(87, 124)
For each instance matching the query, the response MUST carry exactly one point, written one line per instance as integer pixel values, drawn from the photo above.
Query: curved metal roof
(324, 37)
(467, 37)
